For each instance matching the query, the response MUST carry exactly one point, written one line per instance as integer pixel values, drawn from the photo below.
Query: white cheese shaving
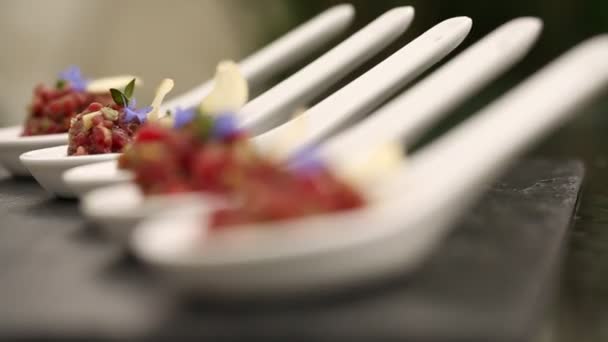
(163, 89)
(103, 85)
(166, 121)
(109, 113)
(290, 136)
(364, 167)
(230, 90)
(87, 119)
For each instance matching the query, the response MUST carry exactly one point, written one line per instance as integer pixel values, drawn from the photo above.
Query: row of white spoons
(412, 206)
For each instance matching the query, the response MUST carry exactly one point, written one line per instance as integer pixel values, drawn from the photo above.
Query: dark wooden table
(490, 280)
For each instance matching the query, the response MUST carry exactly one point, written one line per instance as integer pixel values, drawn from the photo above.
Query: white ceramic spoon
(257, 68)
(118, 208)
(281, 54)
(12, 145)
(48, 165)
(275, 105)
(392, 236)
(371, 89)
(348, 104)
(409, 115)
(374, 86)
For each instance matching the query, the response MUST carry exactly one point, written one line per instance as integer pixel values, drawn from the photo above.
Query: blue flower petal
(130, 115)
(73, 75)
(142, 114)
(133, 103)
(306, 160)
(183, 117)
(225, 125)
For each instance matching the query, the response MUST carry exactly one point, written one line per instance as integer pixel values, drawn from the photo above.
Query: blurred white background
(181, 39)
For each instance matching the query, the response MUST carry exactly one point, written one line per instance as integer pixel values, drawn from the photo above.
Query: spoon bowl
(315, 254)
(47, 166)
(86, 178)
(117, 209)
(12, 145)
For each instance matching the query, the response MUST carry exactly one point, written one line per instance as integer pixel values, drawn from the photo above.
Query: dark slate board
(489, 280)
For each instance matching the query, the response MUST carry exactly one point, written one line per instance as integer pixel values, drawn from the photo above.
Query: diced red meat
(167, 161)
(105, 135)
(52, 109)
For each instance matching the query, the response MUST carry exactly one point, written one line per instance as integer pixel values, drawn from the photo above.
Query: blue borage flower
(224, 126)
(183, 117)
(131, 112)
(73, 75)
(306, 160)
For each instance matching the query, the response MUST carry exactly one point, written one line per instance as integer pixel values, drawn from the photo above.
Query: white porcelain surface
(457, 80)
(118, 209)
(353, 101)
(83, 179)
(295, 257)
(277, 104)
(47, 166)
(12, 145)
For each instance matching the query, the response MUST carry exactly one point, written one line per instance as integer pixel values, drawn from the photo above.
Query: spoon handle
(476, 151)
(281, 53)
(277, 104)
(374, 87)
(409, 115)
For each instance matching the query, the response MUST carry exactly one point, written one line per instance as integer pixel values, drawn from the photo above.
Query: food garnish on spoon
(307, 185)
(205, 151)
(109, 128)
(53, 107)
(194, 149)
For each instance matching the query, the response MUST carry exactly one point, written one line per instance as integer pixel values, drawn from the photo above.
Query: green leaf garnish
(60, 84)
(123, 98)
(129, 89)
(119, 98)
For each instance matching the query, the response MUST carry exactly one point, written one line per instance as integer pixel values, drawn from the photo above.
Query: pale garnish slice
(163, 89)
(290, 138)
(109, 113)
(230, 90)
(87, 119)
(103, 85)
(166, 121)
(364, 167)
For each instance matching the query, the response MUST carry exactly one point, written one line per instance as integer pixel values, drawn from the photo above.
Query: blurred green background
(183, 39)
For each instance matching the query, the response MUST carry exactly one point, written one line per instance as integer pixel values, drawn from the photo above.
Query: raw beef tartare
(206, 151)
(204, 155)
(273, 193)
(52, 108)
(109, 128)
(211, 155)
(100, 129)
